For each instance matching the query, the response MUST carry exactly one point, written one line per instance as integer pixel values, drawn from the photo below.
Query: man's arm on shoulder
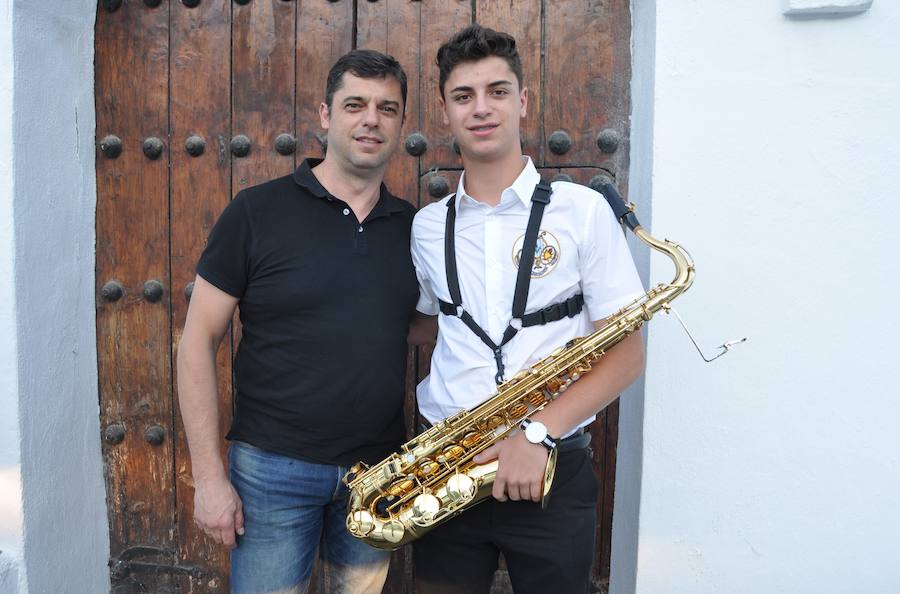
(217, 508)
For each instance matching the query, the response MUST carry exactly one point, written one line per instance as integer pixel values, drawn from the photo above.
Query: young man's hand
(520, 474)
(218, 510)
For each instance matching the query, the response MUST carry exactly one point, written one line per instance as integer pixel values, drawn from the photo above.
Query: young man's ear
(324, 115)
(443, 105)
(523, 99)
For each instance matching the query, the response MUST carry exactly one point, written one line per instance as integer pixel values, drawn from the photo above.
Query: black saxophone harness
(568, 308)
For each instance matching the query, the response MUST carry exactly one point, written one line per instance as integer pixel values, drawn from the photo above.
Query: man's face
(483, 105)
(364, 121)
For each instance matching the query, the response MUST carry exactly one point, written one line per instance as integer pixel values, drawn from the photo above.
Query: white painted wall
(47, 329)
(626, 513)
(10, 489)
(775, 153)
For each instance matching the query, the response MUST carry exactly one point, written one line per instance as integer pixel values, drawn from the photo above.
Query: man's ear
(523, 99)
(324, 115)
(443, 105)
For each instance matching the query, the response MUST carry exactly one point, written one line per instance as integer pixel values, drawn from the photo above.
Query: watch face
(535, 432)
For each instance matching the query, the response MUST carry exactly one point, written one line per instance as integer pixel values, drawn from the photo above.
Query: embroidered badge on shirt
(546, 253)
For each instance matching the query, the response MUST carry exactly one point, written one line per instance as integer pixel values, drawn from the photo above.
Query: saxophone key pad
(361, 523)
(426, 506)
(393, 531)
(460, 487)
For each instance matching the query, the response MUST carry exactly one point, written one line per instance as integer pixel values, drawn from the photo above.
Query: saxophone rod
(625, 214)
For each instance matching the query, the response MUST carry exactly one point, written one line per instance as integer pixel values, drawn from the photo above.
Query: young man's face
(364, 121)
(483, 105)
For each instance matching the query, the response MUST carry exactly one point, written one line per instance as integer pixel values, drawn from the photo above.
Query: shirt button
(346, 211)
(360, 228)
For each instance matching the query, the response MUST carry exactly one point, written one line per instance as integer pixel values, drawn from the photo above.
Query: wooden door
(197, 99)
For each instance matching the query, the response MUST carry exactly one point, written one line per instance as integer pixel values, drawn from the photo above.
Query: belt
(577, 441)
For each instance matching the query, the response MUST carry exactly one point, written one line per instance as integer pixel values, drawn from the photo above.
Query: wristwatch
(536, 432)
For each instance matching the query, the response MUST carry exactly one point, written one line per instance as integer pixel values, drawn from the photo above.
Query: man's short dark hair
(475, 43)
(364, 64)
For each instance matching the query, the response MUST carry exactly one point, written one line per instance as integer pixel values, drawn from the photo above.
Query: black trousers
(546, 550)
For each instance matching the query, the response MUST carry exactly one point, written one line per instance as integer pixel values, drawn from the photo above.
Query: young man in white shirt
(581, 272)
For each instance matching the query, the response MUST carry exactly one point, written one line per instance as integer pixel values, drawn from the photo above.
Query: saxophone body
(432, 478)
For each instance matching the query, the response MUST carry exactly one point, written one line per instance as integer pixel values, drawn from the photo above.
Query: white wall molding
(65, 544)
(812, 8)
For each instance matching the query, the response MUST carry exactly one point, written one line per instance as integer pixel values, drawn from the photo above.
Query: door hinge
(153, 560)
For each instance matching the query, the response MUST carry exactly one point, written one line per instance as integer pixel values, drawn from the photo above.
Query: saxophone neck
(684, 264)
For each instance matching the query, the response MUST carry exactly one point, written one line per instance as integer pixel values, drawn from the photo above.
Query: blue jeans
(291, 509)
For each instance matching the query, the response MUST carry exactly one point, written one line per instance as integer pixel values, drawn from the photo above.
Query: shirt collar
(522, 187)
(306, 179)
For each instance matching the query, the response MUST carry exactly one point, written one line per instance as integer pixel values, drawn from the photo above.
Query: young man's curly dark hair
(474, 43)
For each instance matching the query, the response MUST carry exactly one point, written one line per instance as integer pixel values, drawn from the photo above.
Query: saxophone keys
(426, 506)
(451, 453)
(393, 531)
(577, 371)
(519, 409)
(471, 439)
(535, 398)
(522, 374)
(426, 468)
(361, 523)
(460, 488)
(494, 421)
(401, 487)
(554, 384)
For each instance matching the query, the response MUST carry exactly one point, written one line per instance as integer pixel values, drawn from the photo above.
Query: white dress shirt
(581, 249)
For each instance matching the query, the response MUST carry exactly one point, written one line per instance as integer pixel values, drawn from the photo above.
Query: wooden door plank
(587, 72)
(393, 28)
(605, 505)
(262, 88)
(324, 34)
(522, 20)
(440, 20)
(133, 332)
(200, 190)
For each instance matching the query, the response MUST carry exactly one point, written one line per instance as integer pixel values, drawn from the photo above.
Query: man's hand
(520, 474)
(218, 510)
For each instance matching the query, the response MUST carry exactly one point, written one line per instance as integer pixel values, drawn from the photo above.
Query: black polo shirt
(325, 306)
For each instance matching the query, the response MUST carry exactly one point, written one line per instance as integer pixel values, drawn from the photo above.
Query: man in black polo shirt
(318, 263)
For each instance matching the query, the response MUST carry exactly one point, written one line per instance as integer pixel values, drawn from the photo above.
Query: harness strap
(539, 200)
(569, 308)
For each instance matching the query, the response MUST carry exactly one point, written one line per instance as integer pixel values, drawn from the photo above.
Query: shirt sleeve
(428, 302)
(225, 261)
(609, 277)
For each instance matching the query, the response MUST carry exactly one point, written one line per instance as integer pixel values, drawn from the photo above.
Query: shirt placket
(493, 275)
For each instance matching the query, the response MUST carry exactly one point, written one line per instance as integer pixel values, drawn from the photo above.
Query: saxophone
(433, 478)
